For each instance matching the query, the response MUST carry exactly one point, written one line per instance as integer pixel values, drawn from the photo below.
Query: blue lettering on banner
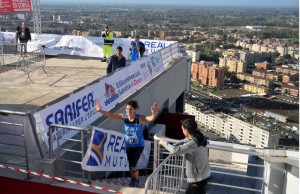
(114, 144)
(115, 161)
(111, 99)
(72, 112)
(155, 44)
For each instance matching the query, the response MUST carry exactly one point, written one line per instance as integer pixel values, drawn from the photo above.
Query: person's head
(23, 25)
(119, 51)
(136, 38)
(18, 29)
(106, 29)
(189, 127)
(131, 107)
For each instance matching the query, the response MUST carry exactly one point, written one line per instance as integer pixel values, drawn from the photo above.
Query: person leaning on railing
(133, 134)
(196, 156)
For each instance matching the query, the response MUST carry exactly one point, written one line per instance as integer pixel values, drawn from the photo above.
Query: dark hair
(120, 48)
(133, 103)
(190, 125)
(106, 27)
(137, 36)
(18, 28)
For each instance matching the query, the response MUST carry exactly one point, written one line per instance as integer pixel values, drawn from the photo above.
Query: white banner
(107, 152)
(154, 45)
(88, 46)
(8, 37)
(78, 109)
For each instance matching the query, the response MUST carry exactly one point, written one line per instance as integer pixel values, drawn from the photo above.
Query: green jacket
(108, 38)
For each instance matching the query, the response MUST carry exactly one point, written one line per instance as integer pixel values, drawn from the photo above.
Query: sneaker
(103, 59)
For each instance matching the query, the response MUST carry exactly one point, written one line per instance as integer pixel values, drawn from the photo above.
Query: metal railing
(13, 140)
(25, 57)
(169, 53)
(168, 176)
(70, 145)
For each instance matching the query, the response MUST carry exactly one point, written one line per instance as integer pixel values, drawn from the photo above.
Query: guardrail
(168, 175)
(27, 58)
(13, 136)
(169, 53)
(68, 147)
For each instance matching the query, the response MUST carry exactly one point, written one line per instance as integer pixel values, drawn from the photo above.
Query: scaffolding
(36, 16)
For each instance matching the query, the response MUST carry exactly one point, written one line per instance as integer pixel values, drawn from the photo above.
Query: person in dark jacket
(196, 156)
(24, 36)
(18, 31)
(116, 61)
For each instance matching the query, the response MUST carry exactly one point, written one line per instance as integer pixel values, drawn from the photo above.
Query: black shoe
(104, 59)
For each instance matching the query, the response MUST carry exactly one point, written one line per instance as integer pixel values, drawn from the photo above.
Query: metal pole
(87, 144)
(25, 146)
(50, 142)
(1, 42)
(82, 151)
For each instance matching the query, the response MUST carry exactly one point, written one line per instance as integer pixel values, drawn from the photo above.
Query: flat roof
(64, 75)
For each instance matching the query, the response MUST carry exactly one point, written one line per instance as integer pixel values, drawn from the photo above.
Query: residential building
(273, 76)
(256, 89)
(208, 74)
(256, 47)
(282, 50)
(193, 55)
(229, 126)
(292, 90)
(264, 65)
(231, 52)
(233, 64)
(259, 73)
(258, 80)
(251, 57)
(150, 33)
(286, 70)
(117, 33)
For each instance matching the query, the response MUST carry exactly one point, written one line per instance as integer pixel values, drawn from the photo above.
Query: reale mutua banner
(107, 152)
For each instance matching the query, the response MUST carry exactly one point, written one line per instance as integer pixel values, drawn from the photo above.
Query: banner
(82, 45)
(107, 152)
(154, 45)
(11, 6)
(78, 109)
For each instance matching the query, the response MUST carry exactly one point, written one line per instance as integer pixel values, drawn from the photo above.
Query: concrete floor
(64, 75)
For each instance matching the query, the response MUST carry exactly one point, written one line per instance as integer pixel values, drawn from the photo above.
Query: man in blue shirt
(137, 49)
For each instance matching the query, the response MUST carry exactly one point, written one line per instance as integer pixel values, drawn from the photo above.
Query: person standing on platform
(133, 133)
(24, 36)
(18, 31)
(108, 43)
(116, 61)
(196, 156)
(137, 49)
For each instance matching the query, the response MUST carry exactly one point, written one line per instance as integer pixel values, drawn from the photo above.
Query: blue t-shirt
(134, 52)
(133, 132)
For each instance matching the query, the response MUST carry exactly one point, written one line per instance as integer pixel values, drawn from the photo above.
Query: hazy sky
(252, 3)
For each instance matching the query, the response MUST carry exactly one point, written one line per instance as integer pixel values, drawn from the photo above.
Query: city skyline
(232, 3)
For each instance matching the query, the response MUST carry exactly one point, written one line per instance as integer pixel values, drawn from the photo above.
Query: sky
(229, 3)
